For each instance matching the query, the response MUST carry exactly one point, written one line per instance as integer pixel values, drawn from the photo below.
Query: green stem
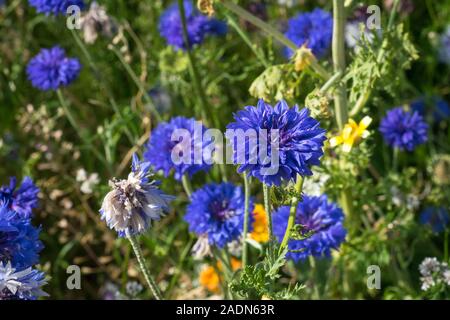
(331, 82)
(292, 213)
(187, 185)
(446, 246)
(138, 83)
(150, 281)
(267, 208)
(395, 156)
(338, 48)
(267, 28)
(179, 269)
(78, 129)
(198, 87)
(246, 217)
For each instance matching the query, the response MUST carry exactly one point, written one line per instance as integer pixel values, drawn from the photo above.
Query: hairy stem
(150, 281)
(292, 213)
(267, 208)
(246, 216)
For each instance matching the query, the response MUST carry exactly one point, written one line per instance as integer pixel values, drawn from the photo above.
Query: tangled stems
(292, 213)
(206, 111)
(246, 216)
(244, 14)
(150, 281)
(266, 193)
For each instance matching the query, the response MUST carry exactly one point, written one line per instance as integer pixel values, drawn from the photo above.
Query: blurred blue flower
(440, 108)
(198, 25)
(51, 69)
(300, 141)
(162, 143)
(217, 211)
(315, 29)
(19, 239)
(444, 46)
(317, 216)
(437, 217)
(55, 7)
(134, 202)
(20, 285)
(22, 200)
(404, 129)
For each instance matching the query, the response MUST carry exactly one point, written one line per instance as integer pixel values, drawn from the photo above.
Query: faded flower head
(20, 285)
(313, 29)
(201, 248)
(300, 141)
(404, 129)
(198, 25)
(22, 199)
(321, 219)
(173, 136)
(134, 202)
(55, 7)
(97, 22)
(51, 69)
(217, 210)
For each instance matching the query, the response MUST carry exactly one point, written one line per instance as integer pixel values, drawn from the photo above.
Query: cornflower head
(51, 69)
(217, 210)
(55, 7)
(404, 130)
(313, 29)
(19, 239)
(22, 199)
(173, 137)
(320, 219)
(20, 285)
(287, 142)
(436, 217)
(134, 202)
(198, 26)
(352, 133)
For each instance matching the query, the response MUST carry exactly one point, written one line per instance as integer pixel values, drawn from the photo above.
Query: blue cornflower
(404, 129)
(444, 46)
(437, 217)
(440, 108)
(20, 285)
(217, 211)
(134, 202)
(51, 69)
(55, 7)
(300, 141)
(19, 239)
(183, 137)
(23, 200)
(198, 25)
(317, 216)
(314, 29)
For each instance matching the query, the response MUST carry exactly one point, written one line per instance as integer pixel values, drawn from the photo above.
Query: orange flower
(260, 231)
(210, 279)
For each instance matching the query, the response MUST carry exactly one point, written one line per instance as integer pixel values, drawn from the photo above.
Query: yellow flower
(210, 279)
(352, 133)
(260, 231)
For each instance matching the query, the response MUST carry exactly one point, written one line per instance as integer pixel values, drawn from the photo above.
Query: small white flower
(429, 266)
(201, 248)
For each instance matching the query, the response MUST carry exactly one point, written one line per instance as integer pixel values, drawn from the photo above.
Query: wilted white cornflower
(134, 202)
(429, 266)
(201, 248)
(24, 285)
(96, 21)
(433, 273)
